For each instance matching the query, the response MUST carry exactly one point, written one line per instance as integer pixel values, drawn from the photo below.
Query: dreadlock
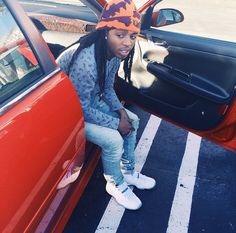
(98, 38)
(128, 65)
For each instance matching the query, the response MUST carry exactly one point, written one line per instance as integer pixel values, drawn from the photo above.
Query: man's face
(120, 42)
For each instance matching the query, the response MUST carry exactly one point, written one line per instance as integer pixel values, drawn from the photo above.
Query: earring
(105, 37)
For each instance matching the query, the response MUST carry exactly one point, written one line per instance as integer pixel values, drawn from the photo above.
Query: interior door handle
(156, 41)
(161, 43)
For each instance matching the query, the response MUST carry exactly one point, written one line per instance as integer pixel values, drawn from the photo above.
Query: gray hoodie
(83, 75)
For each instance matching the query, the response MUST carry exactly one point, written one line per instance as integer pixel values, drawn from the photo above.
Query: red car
(41, 120)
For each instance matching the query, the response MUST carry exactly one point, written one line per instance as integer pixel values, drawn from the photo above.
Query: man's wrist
(121, 110)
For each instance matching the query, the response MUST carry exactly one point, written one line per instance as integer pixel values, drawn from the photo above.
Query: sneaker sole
(124, 205)
(141, 188)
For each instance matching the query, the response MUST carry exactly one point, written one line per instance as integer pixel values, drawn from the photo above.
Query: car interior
(61, 35)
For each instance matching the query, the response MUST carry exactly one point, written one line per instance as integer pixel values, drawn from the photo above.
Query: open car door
(187, 80)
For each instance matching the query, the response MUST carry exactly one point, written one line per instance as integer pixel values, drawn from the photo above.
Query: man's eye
(120, 35)
(133, 37)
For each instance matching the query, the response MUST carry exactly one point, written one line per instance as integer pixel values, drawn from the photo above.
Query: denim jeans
(117, 150)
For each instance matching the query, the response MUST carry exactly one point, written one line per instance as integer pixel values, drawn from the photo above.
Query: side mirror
(161, 17)
(166, 16)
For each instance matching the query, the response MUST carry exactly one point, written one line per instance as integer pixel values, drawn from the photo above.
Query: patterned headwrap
(119, 14)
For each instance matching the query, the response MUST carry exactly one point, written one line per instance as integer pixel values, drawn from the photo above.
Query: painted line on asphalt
(112, 216)
(181, 206)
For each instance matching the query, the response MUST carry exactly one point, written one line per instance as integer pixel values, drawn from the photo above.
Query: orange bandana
(120, 15)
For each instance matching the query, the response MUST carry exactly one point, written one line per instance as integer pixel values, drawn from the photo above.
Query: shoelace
(124, 189)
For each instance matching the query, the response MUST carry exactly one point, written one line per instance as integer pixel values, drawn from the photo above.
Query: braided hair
(97, 37)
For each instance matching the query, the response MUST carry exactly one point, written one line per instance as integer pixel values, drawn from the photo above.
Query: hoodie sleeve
(83, 75)
(109, 92)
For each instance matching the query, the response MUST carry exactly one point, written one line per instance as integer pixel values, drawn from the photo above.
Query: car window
(18, 65)
(204, 18)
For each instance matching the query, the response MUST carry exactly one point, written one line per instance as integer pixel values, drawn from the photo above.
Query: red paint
(37, 135)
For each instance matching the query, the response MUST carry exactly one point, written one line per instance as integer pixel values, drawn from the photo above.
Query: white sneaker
(139, 180)
(124, 195)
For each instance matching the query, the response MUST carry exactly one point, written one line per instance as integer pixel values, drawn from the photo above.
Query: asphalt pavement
(196, 179)
(195, 191)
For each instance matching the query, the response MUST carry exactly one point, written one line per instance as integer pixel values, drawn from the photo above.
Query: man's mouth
(124, 52)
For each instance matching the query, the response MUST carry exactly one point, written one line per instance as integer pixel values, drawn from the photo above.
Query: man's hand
(125, 126)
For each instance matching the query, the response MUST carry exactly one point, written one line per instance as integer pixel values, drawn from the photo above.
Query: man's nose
(127, 41)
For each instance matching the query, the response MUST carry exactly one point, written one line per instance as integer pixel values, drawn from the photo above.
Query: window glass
(18, 65)
(211, 19)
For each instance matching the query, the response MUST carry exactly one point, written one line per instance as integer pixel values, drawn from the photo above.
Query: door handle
(161, 43)
(156, 41)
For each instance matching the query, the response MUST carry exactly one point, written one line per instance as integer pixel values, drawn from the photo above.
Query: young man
(92, 66)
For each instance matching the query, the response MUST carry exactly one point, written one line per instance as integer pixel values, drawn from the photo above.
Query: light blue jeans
(117, 150)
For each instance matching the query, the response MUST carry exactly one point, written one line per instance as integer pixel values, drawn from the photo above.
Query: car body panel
(44, 146)
(41, 127)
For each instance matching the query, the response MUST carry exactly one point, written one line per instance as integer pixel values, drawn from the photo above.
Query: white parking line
(113, 214)
(181, 206)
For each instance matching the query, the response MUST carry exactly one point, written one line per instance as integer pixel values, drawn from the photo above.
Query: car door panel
(41, 123)
(187, 80)
(40, 150)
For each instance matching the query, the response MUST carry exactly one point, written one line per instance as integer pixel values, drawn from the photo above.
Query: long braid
(101, 58)
(98, 38)
(128, 65)
(85, 42)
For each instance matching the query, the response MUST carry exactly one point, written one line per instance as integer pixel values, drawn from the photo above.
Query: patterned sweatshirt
(83, 75)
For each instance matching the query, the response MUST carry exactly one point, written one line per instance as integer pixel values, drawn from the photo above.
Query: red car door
(187, 80)
(41, 123)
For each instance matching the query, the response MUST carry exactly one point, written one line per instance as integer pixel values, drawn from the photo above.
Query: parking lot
(195, 191)
(213, 18)
(195, 178)
(42, 117)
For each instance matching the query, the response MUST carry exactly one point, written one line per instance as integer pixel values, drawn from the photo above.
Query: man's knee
(114, 144)
(134, 118)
